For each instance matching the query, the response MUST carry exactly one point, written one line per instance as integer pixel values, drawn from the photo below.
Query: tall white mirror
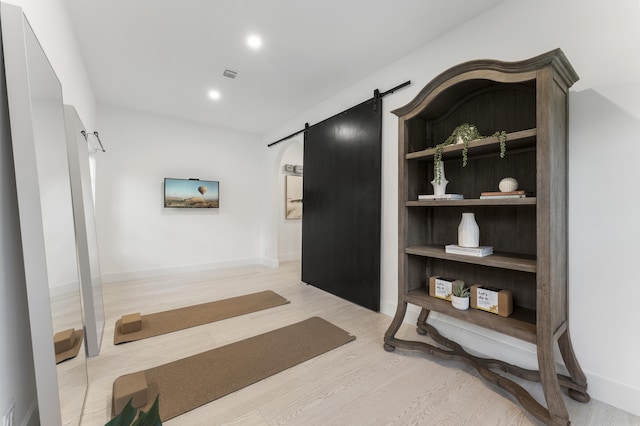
(86, 237)
(46, 222)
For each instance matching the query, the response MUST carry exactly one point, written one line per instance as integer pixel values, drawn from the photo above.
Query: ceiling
(164, 56)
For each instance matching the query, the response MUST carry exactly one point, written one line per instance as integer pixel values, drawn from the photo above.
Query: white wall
(289, 230)
(137, 236)
(604, 111)
(50, 23)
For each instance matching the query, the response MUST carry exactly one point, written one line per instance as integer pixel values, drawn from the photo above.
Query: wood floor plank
(356, 384)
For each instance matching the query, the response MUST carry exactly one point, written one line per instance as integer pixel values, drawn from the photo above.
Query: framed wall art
(191, 193)
(293, 197)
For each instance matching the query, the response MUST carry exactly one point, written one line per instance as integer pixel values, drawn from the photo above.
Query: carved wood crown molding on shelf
(554, 58)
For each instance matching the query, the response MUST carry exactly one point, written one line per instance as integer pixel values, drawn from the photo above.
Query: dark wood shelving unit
(528, 100)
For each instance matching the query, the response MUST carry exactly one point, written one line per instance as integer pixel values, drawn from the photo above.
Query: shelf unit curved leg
(422, 322)
(387, 347)
(549, 381)
(575, 371)
(485, 367)
(389, 335)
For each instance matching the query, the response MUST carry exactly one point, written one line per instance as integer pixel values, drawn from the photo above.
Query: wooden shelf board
(473, 202)
(521, 324)
(515, 140)
(496, 260)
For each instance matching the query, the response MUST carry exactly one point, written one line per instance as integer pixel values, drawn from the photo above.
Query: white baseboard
(620, 395)
(486, 343)
(270, 263)
(150, 273)
(286, 257)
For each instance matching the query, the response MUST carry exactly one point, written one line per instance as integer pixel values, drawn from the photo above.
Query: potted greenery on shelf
(463, 134)
(460, 297)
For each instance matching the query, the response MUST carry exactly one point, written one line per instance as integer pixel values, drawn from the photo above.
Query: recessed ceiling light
(214, 94)
(254, 41)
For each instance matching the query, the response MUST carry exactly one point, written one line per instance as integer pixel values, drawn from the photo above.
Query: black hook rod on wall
(86, 138)
(376, 94)
(99, 141)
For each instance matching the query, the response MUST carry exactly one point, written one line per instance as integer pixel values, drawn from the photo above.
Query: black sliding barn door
(342, 195)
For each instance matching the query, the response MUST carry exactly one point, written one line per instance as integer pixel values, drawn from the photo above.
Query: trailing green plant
(459, 290)
(502, 137)
(465, 132)
(128, 414)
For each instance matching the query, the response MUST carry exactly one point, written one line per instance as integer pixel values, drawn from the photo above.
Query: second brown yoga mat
(191, 316)
(194, 381)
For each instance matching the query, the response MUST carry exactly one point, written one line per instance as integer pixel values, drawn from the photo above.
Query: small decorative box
(441, 287)
(492, 300)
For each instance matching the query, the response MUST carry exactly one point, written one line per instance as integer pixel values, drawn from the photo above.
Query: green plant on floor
(128, 414)
(465, 132)
(460, 290)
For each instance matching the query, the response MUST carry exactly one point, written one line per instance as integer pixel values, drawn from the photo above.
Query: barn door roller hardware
(376, 94)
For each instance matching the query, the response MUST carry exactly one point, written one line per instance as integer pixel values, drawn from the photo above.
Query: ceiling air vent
(230, 73)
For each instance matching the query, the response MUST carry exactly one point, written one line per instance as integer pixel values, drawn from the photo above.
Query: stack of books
(440, 197)
(521, 193)
(481, 251)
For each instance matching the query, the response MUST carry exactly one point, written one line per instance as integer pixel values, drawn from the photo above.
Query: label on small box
(443, 288)
(487, 300)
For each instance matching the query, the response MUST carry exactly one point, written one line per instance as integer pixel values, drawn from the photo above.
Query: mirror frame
(15, 29)
(86, 238)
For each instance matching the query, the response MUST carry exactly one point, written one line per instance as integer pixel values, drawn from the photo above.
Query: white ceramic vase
(440, 188)
(460, 303)
(468, 231)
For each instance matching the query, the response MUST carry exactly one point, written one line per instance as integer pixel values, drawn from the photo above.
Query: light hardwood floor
(356, 384)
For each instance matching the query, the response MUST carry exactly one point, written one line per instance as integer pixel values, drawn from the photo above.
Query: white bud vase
(468, 231)
(440, 188)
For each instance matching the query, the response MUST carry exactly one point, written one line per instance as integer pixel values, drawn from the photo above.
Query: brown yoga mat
(191, 316)
(194, 381)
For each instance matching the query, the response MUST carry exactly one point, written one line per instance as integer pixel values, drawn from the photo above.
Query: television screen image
(191, 193)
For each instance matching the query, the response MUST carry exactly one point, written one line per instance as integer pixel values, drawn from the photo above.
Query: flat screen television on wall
(191, 193)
